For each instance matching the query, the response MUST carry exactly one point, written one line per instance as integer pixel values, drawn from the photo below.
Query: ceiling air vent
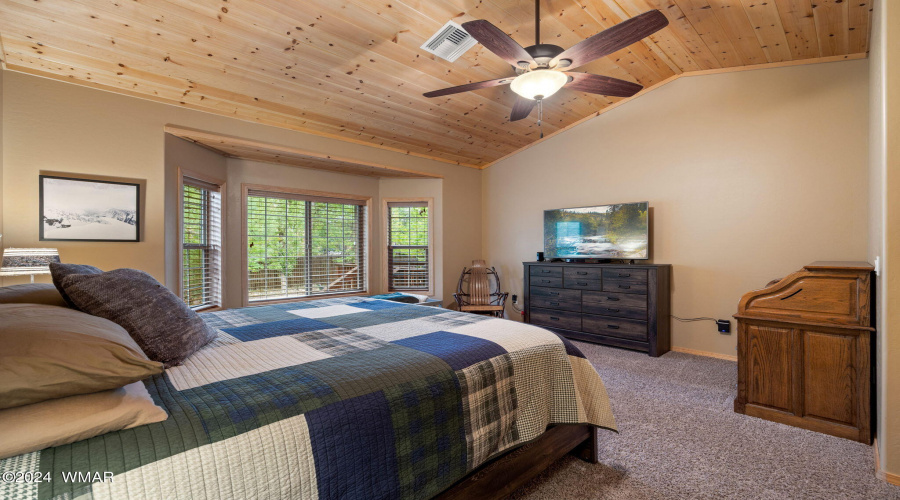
(450, 42)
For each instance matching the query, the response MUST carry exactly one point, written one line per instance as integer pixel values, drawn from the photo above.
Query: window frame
(385, 235)
(221, 184)
(245, 268)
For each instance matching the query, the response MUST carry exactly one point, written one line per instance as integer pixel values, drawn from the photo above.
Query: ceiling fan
(540, 66)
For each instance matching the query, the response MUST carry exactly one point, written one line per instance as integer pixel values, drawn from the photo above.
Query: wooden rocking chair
(478, 290)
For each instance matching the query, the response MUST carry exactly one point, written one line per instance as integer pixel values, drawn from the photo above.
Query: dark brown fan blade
(469, 86)
(610, 40)
(604, 85)
(521, 109)
(498, 42)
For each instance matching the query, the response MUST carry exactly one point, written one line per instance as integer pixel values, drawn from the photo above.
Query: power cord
(688, 320)
(723, 325)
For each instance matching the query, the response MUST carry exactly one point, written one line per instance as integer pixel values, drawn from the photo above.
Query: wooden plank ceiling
(352, 69)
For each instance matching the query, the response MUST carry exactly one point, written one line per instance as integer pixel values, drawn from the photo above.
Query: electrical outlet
(515, 299)
(724, 325)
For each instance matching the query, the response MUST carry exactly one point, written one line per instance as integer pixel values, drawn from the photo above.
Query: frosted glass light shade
(540, 82)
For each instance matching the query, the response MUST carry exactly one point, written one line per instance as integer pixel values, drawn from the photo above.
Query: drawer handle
(545, 270)
(554, 303)
(791, 295)
(554, 318)
(581, 273)
(613, 327)
(613, 310)
(626, 275)
(545, 281)
(625, 286)
(582, 283)
(554, 293)
(614, 299)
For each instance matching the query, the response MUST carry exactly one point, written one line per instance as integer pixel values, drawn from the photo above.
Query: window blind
(304, 245)
(201, 246)
(408, 249)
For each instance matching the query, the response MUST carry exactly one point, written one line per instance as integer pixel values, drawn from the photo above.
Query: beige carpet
(680, 438)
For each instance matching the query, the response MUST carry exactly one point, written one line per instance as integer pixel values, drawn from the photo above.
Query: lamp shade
(539, 83)
(25, 261)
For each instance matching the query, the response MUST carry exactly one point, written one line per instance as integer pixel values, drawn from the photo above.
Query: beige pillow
(66, 420)
(49, 352)
(32, 293)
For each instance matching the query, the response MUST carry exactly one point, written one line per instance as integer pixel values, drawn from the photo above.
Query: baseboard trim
(887, 477)
(708, 354)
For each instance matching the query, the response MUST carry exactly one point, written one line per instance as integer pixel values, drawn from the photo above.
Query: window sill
(256, 303)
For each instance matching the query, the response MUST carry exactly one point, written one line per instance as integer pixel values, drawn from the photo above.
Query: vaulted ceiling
(353, 69)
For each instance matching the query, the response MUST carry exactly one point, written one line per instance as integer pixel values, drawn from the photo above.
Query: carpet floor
(680, 438)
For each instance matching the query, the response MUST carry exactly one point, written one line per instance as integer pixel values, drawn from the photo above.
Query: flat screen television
(603, 232)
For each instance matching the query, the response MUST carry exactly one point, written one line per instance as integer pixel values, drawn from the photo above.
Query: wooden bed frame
(506, 473)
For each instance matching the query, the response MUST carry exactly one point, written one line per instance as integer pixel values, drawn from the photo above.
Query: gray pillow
(165, 328)
(59, 271)
(32, 293)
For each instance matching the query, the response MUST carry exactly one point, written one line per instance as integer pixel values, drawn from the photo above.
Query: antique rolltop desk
(805, 350)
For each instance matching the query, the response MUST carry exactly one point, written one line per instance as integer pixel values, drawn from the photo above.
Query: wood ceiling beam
(244, 148)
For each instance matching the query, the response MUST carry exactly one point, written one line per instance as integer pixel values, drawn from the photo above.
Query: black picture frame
(138, 216)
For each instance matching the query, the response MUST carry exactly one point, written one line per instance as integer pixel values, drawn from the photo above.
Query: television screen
(602, 232)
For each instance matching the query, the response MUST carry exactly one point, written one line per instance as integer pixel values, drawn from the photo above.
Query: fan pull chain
(541, 116)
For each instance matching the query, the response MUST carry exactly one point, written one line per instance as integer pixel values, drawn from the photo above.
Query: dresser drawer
(555, 303)
(555, 282)
(623, 305)
(551, 271)
(638, 275)
(555, 293)
(585, 273)
(615, 327)
(556, 319)
(624, 286)
(583, 284)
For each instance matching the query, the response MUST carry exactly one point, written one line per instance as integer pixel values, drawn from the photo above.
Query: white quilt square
(328, 311)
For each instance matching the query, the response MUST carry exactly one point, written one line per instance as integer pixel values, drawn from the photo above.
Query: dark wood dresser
(613, 304)
(805, 350)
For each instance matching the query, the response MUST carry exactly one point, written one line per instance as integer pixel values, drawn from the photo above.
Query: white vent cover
(450, 42)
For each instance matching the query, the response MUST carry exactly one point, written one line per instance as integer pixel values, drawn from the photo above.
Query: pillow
(32, 293)
(160, 322)
(66, 420)
(49, 352)
(59, 271)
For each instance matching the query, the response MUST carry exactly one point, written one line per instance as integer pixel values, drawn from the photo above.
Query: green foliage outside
(409, 239)
(195, 203)
(281, 255)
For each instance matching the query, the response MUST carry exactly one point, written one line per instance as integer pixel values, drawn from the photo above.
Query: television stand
(623, 305)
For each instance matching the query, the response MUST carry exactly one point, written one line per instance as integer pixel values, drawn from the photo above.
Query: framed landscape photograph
(88, 210)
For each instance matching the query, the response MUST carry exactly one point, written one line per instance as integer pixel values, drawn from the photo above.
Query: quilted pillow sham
(59, 271)
(161, 323)
(61, 421)
(49, 352)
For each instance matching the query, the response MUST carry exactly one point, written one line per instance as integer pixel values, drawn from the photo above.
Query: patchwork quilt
(335, 398)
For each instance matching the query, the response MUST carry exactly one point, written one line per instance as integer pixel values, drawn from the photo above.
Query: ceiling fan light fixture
(541, 83)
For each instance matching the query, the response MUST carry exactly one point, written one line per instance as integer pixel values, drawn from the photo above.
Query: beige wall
(884, 214)
(60, 127)
(750, 176)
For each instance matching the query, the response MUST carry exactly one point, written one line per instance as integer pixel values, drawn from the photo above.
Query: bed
(339, 398)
